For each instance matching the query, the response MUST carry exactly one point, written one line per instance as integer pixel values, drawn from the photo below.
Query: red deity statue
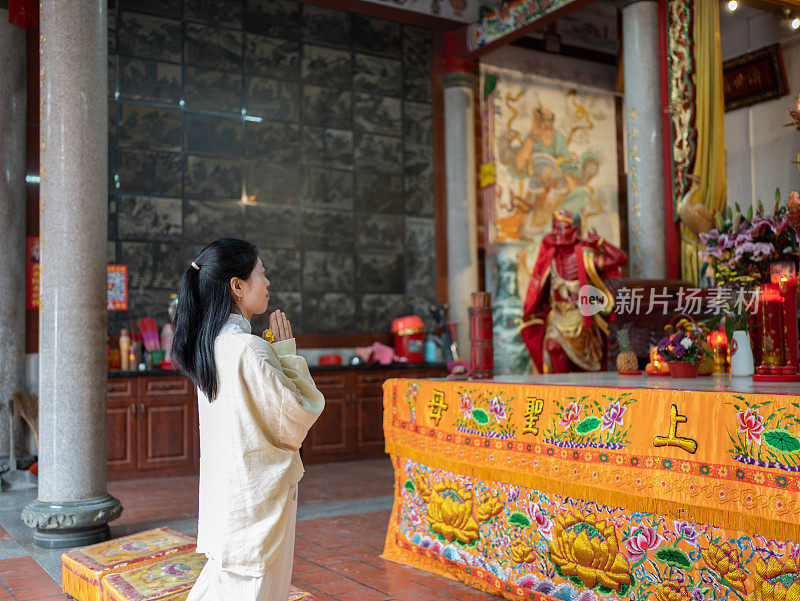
(559, 336)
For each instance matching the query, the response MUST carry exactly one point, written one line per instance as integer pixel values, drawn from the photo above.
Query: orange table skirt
(582, 493)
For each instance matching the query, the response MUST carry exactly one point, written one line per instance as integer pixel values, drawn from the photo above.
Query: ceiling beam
(462, 45)
(777, 7)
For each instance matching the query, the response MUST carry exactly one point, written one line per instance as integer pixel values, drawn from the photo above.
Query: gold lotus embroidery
(724, 558)
(776, 580)
(669, 590)
(522, 553)
(587, 549)
(452, 510)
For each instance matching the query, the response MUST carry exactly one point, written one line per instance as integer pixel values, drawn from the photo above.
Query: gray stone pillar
(12, 218)
(646, 231)
(462, 224)
(73, 507)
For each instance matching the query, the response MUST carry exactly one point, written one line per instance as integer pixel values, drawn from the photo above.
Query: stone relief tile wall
(305, 129)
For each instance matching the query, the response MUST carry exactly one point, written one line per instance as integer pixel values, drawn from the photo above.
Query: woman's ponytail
(185, 323)
(204, 304)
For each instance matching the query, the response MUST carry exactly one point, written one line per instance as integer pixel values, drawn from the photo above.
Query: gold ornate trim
(681, 107)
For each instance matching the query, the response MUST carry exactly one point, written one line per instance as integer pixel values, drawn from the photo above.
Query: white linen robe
(250, 437)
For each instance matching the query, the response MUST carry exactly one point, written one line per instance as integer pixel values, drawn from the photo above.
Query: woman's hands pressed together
(280, 326)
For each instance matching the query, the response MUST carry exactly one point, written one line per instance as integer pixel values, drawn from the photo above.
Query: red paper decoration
(23, 13)
(793, 208)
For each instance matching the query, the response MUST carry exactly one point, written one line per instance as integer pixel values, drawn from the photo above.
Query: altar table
(597, 486)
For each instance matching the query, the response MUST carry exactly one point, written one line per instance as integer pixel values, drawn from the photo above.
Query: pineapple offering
(627, 361)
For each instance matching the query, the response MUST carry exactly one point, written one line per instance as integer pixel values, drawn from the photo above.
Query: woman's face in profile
(256, 291)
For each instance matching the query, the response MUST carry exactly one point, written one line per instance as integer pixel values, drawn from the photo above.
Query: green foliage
(518, 519)
(624, 339)
(782, 440)
(674, 557)
(588, 425)
(480, 416)
(489, 84)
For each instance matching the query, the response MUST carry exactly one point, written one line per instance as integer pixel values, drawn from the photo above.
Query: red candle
(783, 275)
(788, 288)
(772, 326)
(719, 342)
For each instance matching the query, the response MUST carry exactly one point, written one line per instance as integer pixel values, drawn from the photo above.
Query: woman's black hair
(204, 304)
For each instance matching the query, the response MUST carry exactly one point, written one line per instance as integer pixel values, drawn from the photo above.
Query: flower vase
(741, 354)
(683, 369)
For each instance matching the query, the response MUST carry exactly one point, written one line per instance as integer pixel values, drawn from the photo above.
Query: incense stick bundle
(481, 299)
(149, 330)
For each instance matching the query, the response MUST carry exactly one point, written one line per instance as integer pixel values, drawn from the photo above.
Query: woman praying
(256, 402)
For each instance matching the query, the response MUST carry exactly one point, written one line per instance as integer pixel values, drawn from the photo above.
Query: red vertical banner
(23, 13)
(32, 267)
(117, 297)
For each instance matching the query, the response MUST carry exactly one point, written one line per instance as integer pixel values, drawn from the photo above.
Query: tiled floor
(339, 558)
(25, 580)
(176, 498)
(145, 501)
(342, 517)
(325, 483)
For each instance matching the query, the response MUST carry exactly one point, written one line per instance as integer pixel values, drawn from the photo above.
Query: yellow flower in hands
(280, 327)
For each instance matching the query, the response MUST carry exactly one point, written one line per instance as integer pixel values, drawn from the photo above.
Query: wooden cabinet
(331, 435)
(369, 412)
(152, 423)
(121, 435)
(165, 433)
(351, 426)
(151, 426)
